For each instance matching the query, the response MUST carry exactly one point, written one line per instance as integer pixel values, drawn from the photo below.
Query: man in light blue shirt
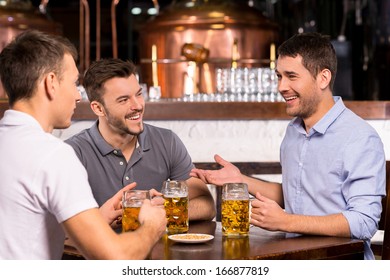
(333, 162)
(338, 165)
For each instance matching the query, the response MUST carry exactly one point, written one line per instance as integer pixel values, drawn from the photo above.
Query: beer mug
(131, 204)
(175, 194)
(235, 209)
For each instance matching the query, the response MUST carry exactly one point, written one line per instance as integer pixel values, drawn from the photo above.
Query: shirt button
(300, 164)
(121, 162)
(115, 151)
(127, 178)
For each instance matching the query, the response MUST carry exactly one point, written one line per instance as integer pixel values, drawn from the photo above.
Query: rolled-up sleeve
(364, 184)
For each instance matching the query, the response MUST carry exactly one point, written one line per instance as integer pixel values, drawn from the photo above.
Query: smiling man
(333, 162)
(120, 148)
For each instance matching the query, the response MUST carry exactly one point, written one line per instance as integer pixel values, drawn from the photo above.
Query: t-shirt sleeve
(181, 162)
(66, 189)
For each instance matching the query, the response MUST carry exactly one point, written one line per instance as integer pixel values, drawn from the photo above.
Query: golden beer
(176, 209)
(131, 202)
(235, 217)
(130, 218)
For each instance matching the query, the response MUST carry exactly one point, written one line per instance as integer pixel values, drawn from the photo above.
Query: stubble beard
(121, 125)
(306, 108)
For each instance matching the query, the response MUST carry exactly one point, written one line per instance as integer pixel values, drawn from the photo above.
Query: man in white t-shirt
(44, 188)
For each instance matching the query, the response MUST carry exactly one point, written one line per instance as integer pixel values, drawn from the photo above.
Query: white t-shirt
(42, 184)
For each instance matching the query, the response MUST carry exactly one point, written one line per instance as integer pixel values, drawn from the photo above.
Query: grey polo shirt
(160, 155)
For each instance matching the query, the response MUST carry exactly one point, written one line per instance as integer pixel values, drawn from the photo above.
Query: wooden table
(260, 244)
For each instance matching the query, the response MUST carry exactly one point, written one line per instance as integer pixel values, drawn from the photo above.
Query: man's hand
(111, 210)
(153, 216)
(266, 213)
(227, 174)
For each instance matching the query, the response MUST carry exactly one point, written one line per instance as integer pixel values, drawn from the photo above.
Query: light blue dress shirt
(339, 166)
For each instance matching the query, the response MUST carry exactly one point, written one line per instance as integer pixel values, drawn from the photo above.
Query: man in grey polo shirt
(119, 148)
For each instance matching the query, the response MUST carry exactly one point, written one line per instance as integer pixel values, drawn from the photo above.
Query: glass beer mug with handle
(175, 194)
(131, 204)
(235, 209)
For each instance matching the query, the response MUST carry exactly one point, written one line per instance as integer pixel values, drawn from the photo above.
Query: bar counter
(178, 110)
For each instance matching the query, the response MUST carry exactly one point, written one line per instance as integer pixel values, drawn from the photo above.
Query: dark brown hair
(316, 50)
(102, 70)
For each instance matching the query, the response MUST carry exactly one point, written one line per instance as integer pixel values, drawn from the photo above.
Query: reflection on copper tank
(208, 34)
(18, 16)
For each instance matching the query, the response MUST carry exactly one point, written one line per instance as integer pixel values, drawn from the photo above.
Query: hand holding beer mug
(131, 204)
(175, 194)
(235, 209)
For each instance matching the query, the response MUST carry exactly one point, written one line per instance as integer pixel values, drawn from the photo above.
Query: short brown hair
(102, 70)
(316, 50)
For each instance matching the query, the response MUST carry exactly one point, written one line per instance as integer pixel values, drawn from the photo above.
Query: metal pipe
(43, 6)
(87, 33)
(156, 6)
(272, 56)
(81, 38)
(235, 54)
(98, 29)
(154, 66)
(113, 27)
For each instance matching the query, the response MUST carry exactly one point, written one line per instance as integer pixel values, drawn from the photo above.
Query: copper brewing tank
(217, 25)
(17, 16)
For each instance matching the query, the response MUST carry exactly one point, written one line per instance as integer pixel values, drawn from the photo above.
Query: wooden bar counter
(166, 109)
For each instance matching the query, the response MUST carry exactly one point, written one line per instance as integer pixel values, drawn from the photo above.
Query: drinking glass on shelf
(250, 85)
(223, 83)
(267, 84)
(154, 93)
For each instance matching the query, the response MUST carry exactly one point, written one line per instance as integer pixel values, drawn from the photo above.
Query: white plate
(191, 237)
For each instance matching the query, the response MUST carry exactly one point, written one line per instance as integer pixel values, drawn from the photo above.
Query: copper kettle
(213, 25)
(17, 16)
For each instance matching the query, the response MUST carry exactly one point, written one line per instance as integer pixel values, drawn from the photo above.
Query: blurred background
(221, 31)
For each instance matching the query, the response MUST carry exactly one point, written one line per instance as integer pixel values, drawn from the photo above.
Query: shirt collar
(326, 121)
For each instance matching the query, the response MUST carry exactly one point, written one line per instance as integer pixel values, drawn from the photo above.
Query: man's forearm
(201, 208)
(330, 225)
(268, 189)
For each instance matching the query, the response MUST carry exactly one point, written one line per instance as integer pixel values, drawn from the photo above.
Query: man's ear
(50, 82)
(97, 108)
(325, 77)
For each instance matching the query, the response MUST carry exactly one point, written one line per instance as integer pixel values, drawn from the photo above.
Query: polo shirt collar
(144, 140)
